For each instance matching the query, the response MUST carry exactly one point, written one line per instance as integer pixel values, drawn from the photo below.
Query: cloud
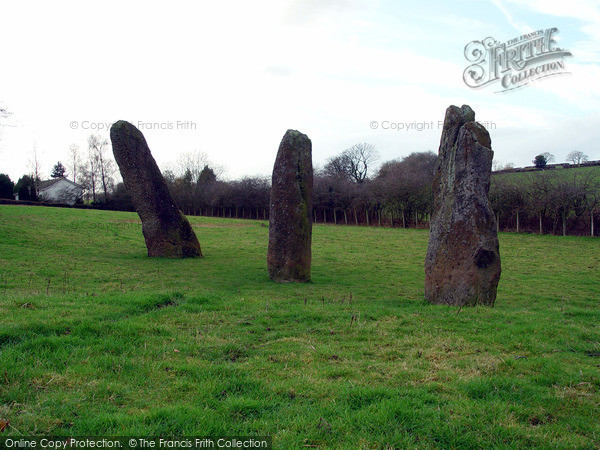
(585, 11)
(521, 27)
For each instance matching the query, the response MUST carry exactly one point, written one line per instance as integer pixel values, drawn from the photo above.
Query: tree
(58, 171)
(353, 163)
(405, 186)
(102, 167)
(91, 174)
(206, 177)
(6, 187)
(507, 198)
(4, 113)
(26, 188)
(74, 163)
(540, 161)
(194, 162)
(549, 157)
(577, 157)
(337, 167)
(120, 199)
(361, 157)
(34, 166)
(542, 194)
(333, 191)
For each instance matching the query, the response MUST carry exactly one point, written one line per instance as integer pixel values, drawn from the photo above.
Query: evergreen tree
(58, 171)
(540, 161)
(25, 188)
(6, 187)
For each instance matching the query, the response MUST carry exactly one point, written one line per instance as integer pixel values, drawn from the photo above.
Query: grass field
(567, 174)
(98, 339)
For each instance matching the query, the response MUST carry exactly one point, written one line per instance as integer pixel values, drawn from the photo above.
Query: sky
(229, 78)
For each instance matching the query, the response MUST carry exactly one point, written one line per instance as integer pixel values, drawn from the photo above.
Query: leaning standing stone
(462, 266)
(290, 219)
(166, 230)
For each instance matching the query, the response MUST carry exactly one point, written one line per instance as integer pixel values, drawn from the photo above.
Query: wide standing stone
(166, 230)
(462, 266)
(290, 219)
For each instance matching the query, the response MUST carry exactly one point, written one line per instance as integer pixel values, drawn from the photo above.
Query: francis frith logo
(514, 63)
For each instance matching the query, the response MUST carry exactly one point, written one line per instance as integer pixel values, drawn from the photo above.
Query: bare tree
(102, 166)
(4, 113)
(192, 162)
(35, 168)
(361, 157)
(507, 198)
(405, 186)
(94, 142)
(577, 157)
(353, 163)
(541, 194)
(74, 161)
(338, 167)
(588, 192)
(549, 157)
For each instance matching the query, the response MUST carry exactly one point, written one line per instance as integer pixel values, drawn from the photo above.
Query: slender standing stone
(290, 219)
(462, 266)
(166, 230)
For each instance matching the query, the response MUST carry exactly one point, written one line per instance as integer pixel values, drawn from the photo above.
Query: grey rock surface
(290, 219)
(166, 230)
(462, 266)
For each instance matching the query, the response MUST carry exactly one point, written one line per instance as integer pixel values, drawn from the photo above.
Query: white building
(60, 190)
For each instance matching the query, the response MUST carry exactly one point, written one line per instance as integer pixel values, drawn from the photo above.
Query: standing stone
(290, 219)
(462, 266)
(166, 230)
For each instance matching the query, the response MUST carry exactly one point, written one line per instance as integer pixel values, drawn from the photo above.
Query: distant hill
(549, 167)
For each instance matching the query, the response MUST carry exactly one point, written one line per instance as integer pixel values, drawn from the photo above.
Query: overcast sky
(229, 78)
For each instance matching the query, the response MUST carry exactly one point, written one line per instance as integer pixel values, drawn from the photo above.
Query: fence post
(334, 217)
(355, 217)
(367, 216)
(346, 217)
(517, 221)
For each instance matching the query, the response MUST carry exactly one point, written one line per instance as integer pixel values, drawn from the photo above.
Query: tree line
(564, 201)
(347, 190)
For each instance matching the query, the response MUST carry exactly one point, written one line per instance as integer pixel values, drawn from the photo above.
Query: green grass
(567, 174)
(98, 339)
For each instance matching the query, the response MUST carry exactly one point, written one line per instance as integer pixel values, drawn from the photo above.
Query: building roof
(43, 185)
